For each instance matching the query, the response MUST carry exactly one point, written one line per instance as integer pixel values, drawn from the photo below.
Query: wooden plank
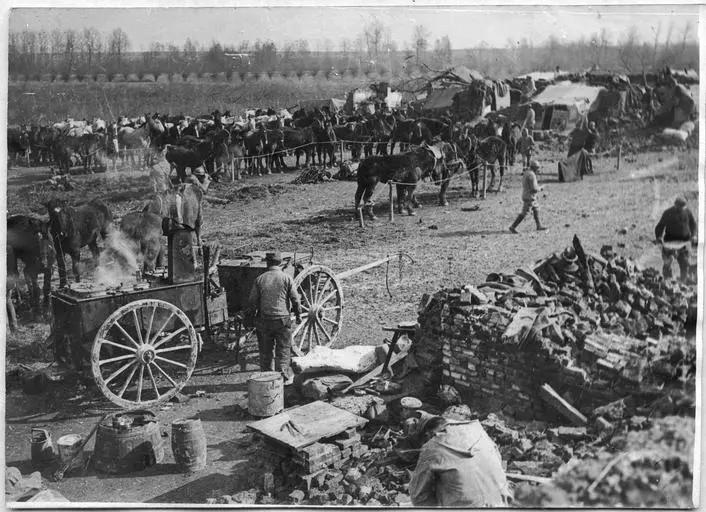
(565, 408)
(374, 372)
(363, 268)
(528, 478)
(310, 422)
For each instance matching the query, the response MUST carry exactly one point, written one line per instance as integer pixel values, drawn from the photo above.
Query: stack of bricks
(332, 452)
(461, 341)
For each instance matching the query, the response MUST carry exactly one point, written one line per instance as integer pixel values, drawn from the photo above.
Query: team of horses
(38, 243)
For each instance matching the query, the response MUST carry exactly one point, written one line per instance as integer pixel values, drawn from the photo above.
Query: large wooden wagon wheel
(144, 353)
(321, 299)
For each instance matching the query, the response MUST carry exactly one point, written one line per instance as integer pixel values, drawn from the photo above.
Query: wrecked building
(528, 342)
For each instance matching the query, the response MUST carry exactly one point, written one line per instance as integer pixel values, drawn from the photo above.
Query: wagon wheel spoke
(165, 374)
(175, 363)
(328, 337)
(123, 347)
(169, 336)
(120, 327)
(330, 308)
(172, 349)
(119, 371)
(329, 297)
(127, 382)
(329, 320)
(159, 332)
(118, 358)
(139, 384)
(298, 328)
(149, 325)
(310, 298)
(138, 328)
(316, 331)
(154, 382)
(303, 294)
(321, 291)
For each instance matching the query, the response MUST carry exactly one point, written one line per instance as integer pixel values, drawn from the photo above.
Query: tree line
(33, 53)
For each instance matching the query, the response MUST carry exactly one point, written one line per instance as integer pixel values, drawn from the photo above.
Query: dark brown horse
(74, 227)
(28, 242)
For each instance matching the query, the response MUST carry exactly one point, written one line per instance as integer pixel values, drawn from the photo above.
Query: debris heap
(594, 328)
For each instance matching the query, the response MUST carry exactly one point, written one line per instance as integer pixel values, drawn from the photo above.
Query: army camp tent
(563, 105)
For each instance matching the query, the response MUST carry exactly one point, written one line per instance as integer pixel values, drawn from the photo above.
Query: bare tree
(420, 42)
(374, 32)
(118, 44)
(70, 49)
(688, 27)
(657, 32)
(92, 46)
(442, 51)
(628, 49)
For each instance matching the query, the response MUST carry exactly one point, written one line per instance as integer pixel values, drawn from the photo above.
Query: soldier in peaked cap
(273, 296)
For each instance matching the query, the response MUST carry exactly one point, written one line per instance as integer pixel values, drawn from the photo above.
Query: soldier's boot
(535, 213)
(513, 228)
(369, 211)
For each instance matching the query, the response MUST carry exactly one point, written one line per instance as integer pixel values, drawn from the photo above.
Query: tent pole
(392, 206)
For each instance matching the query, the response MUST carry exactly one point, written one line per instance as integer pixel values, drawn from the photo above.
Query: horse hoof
(411, 213)
(444, 203)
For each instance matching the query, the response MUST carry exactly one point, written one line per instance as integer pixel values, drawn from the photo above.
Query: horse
(181, 204)
(139, 140)
(405, 170)
(325, 139)
(144, 229)
(483, 153)
(27, 241)
(73, 227)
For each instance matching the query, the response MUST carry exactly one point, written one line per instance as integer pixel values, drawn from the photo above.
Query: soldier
(459, 466)
(530, 187)
(676, 225)
(272, 296)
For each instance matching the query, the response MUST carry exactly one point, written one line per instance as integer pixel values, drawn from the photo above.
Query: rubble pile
(648, 467)
(595, 328)
(313, 175)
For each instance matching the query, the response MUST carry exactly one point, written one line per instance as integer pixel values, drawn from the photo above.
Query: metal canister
(42, 448)
(410, 406)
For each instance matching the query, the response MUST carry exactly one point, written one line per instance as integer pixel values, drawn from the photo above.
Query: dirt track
(449, 246)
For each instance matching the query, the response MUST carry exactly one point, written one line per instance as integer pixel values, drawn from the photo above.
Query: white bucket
(70, 446)
(265, 394)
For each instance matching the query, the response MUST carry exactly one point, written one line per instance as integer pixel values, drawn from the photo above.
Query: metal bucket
(410, 407)
(265, 394)
(70, 448)
(189, 444)
(42, 450)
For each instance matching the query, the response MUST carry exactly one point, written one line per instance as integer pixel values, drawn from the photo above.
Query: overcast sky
(465, 26)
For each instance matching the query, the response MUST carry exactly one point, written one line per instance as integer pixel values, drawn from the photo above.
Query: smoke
(119, 261)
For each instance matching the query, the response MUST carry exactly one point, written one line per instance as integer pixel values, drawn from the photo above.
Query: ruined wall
(499, 343)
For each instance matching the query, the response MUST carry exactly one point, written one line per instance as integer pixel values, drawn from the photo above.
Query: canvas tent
(564, 105)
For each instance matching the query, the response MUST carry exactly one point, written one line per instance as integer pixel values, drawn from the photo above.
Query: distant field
(52, 101)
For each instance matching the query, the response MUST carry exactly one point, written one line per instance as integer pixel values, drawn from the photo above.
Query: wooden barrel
(128, 442)
(189, 444)
(265, 394)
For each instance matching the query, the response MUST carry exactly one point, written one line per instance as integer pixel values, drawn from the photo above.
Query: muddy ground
(450, 246)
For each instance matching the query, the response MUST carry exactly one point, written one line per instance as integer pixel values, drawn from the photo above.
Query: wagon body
(79, 313)
(237, 276)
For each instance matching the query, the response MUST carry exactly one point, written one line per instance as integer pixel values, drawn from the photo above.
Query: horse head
(60, 218)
